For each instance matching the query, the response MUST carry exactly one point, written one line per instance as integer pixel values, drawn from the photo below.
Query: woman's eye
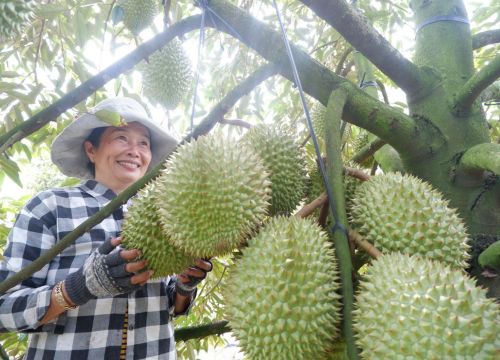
(122, 138)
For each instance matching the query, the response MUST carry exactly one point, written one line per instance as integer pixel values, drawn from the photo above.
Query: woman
(93, 301)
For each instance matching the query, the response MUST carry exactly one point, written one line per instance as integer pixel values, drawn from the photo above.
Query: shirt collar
(98, 190)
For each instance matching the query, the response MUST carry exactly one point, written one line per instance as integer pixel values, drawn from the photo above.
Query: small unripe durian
(402, 213)
(142, 230)
(409, 307)
(212, 195)
(138, 15)
(280, 297)
(167, 76)
(282, 157)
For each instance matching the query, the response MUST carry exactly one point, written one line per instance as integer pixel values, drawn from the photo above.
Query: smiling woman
(94, 286)
(120, 155)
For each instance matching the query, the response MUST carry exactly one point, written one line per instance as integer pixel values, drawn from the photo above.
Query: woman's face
(122, 157)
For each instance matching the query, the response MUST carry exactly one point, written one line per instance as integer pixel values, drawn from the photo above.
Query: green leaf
(110, 117)
(11, 169)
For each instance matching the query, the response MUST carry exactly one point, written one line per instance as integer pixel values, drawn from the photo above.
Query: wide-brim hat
(69, 154)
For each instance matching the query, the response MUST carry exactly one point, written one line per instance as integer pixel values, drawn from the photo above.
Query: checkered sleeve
(24, 305)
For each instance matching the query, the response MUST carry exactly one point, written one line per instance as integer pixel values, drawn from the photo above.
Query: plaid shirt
(93, 330)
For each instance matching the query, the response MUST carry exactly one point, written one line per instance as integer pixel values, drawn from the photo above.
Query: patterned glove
(103, 274)
(188, 288)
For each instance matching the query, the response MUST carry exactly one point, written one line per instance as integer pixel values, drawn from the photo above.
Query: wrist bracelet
(60, 299)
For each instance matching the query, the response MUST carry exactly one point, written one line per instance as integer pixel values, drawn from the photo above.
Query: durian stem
(335, 171)
(236, 122)
(201, 331)
(313, 205)
(356, 173)
(364, 244)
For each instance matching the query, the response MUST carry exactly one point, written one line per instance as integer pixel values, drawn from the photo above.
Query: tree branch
(473, 88)
(396, 128)
(485, 38)
(90, 86)
(204, 127)
(240, 90)
(201, 331)
(356, 29)
(481, 157)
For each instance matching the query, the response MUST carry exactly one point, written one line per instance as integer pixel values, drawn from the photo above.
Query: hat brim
(69, 154)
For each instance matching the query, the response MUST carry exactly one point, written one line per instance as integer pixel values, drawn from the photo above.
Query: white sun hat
(67, 150)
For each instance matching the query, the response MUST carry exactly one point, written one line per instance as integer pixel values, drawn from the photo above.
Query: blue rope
(333, 209)
(439, 18)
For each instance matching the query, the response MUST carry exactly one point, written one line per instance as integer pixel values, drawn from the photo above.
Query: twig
(381, 86)
(364, 244)
(323, 214)
(356, 173)
(236, 122)
(343, 58)
(347, 69)
(313, 205)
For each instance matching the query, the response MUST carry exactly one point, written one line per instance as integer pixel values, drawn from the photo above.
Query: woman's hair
(95, 139)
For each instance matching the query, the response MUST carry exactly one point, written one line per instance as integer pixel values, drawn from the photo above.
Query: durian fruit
(212, 194)
(318, 112)
(167, 75)
(361, 141)
(280, 297)
(285, 163)
(138, 14)
(402, 213)
(142, 230)
(14, 14)
(409, 307)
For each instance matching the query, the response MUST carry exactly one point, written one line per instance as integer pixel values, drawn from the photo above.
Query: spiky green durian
(402, 213)
(142, 230)
(318, 112)
(285, 163)
(211, 196)
(361, 141)
(414, 308)
(167, 75)
(280, 297)
(14, 14)
(138, 14)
